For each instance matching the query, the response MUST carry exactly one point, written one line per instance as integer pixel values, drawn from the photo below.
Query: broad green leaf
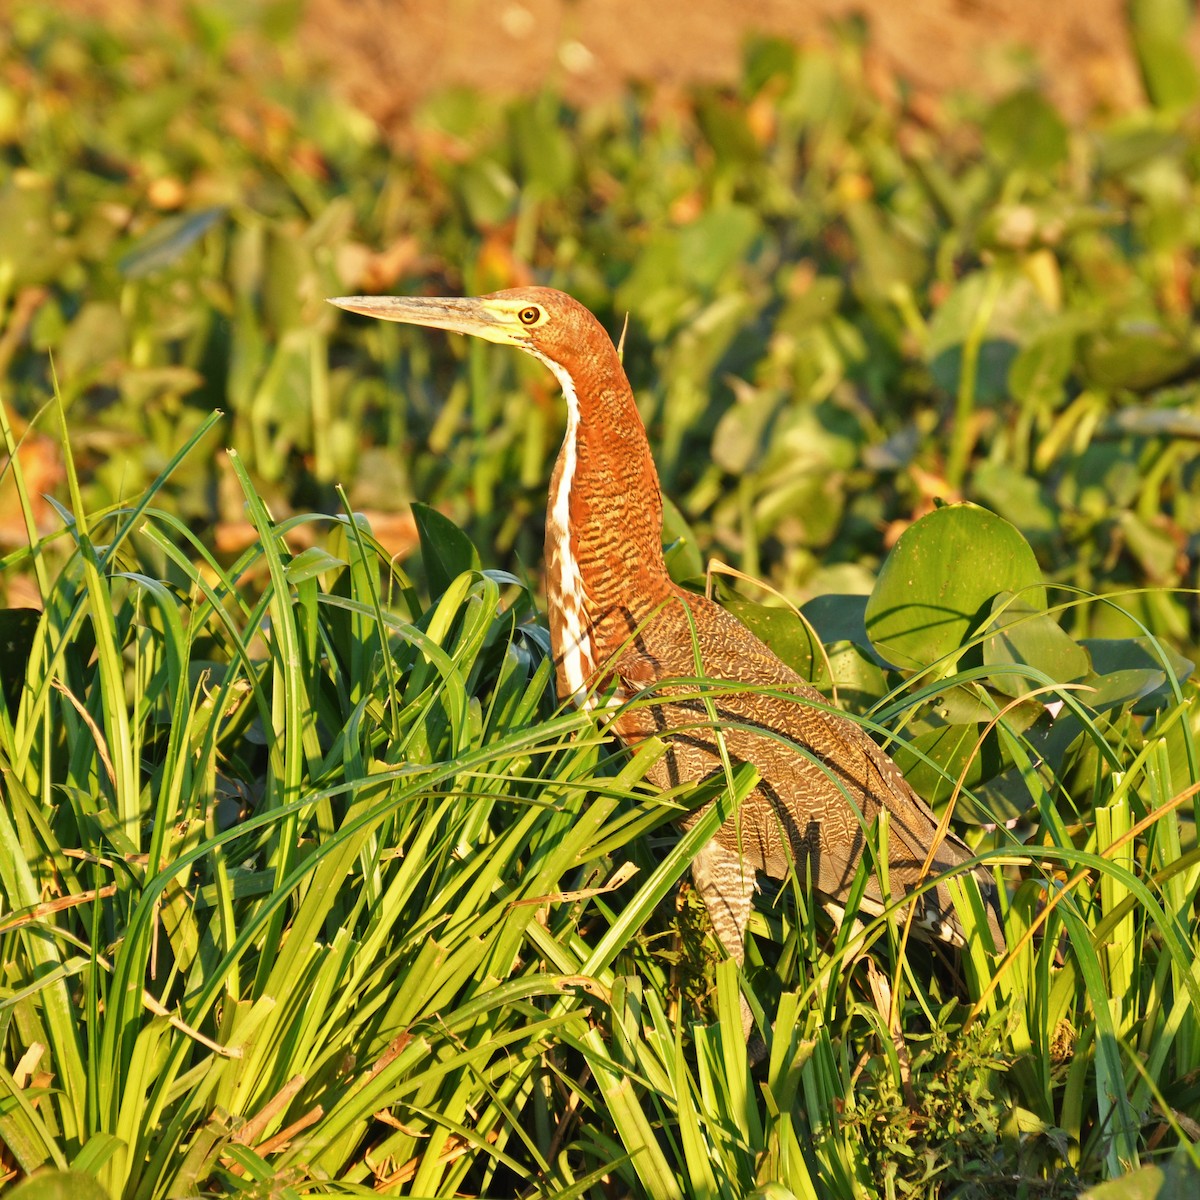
(94, 339)
(839, 618)
(1018, 497)
(1024, 130)
(1159, 29)
(31, 251)
(887, 258)
(445, 550)
(681, 546)
(743, 430)
(711, 245)
(1020, 634)
(727, 130)
(1134, 354)
(1127, 670)
(857, 674)
(487, 191)
(954, 752)
(937, 584)
(1009, 312)
(1040, 370)
(997, 801)
(544, 149)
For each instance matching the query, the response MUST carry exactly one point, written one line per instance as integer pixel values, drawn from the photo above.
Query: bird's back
(822, 779)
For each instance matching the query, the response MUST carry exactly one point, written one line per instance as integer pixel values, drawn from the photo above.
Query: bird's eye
(530, 315)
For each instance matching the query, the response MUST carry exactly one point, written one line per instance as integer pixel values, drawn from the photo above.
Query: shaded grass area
(310, 886)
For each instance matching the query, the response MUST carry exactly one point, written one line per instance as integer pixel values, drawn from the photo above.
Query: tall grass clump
(283, 851)
(310, 886)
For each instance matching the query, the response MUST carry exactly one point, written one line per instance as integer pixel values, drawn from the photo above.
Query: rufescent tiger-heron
(621, 628)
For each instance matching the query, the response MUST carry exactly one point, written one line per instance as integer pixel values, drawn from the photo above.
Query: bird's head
(546, 323)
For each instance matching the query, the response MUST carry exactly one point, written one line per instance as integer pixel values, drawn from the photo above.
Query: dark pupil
(529, 315)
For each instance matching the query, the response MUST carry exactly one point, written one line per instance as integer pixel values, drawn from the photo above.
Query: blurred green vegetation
(316, 805)
(839, 306)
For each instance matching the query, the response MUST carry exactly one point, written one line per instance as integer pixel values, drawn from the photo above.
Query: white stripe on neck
(576, 649)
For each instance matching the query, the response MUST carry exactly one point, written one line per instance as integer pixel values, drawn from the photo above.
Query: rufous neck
(612, 490)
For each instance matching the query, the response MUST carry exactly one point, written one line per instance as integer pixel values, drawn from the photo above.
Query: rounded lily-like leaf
(950, 754)
(940, 579)
(1021, 635)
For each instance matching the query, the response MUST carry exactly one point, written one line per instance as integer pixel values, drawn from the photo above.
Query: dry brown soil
(388, 53)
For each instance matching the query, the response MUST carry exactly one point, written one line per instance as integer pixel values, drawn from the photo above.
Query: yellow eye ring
(530, 315)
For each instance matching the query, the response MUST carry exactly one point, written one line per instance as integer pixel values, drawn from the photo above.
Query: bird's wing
(823, 779)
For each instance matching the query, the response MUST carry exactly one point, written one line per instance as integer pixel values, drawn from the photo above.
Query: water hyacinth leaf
(654, 291)
(31, 252)
(680, 544)
(818, 301)
(997, 801)
(710, 245)
(954, 753)
(743, 431)
(1120, 688)
(1154, 548)
(1010, 313)
(167, 243)
(445, 550)
(842, 618)
(1017, 497)
(1025, 130)
(1020, 634)
(543, 149)
(1131, 670)
(1114, 654)
(940, 579)
(1159, 30)
(859, 679)
(961, 704)
(887, 258)
(839, 618)
(1133, 354)
(96, 337)
(1039, 372)
(813, 499)
(488, 192)
(768, 58)
(727, 130)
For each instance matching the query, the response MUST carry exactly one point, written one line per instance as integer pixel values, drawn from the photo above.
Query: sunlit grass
(307, 881)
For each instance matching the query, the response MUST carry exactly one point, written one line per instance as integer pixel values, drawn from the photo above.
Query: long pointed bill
(458, 314)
